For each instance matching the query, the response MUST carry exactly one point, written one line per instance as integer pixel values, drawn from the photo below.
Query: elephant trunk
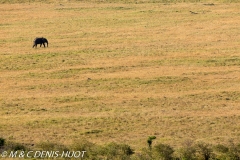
(47, 43)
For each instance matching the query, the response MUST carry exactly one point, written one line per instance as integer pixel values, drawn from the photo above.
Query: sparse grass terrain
(120, 72)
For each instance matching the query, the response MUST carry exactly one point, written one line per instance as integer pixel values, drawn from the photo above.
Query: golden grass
(120, 72)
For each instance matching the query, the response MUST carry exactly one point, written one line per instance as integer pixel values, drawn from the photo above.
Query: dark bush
(84, 145)
(221, 148)
(2, 142)
(117, 151)
(149, 141)
(164, 151)
(15, 146)
(234, 151)
(204, 150)
(127, 149)
(221, 151)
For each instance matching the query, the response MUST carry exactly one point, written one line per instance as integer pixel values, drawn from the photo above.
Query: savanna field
(117, 72)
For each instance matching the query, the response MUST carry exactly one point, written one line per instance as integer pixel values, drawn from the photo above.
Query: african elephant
(40, 41)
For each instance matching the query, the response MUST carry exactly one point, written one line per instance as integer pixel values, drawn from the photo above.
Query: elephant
(40, 41)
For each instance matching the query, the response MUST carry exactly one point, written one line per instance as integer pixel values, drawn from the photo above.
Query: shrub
(15, 146)
(221, 151)
(127, 150)
(84, 145)
(164, 151)
(2, 142)
(117, 151)
(205, 151)
(188, 151)
(149, 141)
(234, 151)
(145, 154)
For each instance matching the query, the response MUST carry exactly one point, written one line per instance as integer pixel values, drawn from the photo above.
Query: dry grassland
(117, 72)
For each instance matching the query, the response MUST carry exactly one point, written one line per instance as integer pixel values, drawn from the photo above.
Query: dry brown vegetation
(120, 72)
